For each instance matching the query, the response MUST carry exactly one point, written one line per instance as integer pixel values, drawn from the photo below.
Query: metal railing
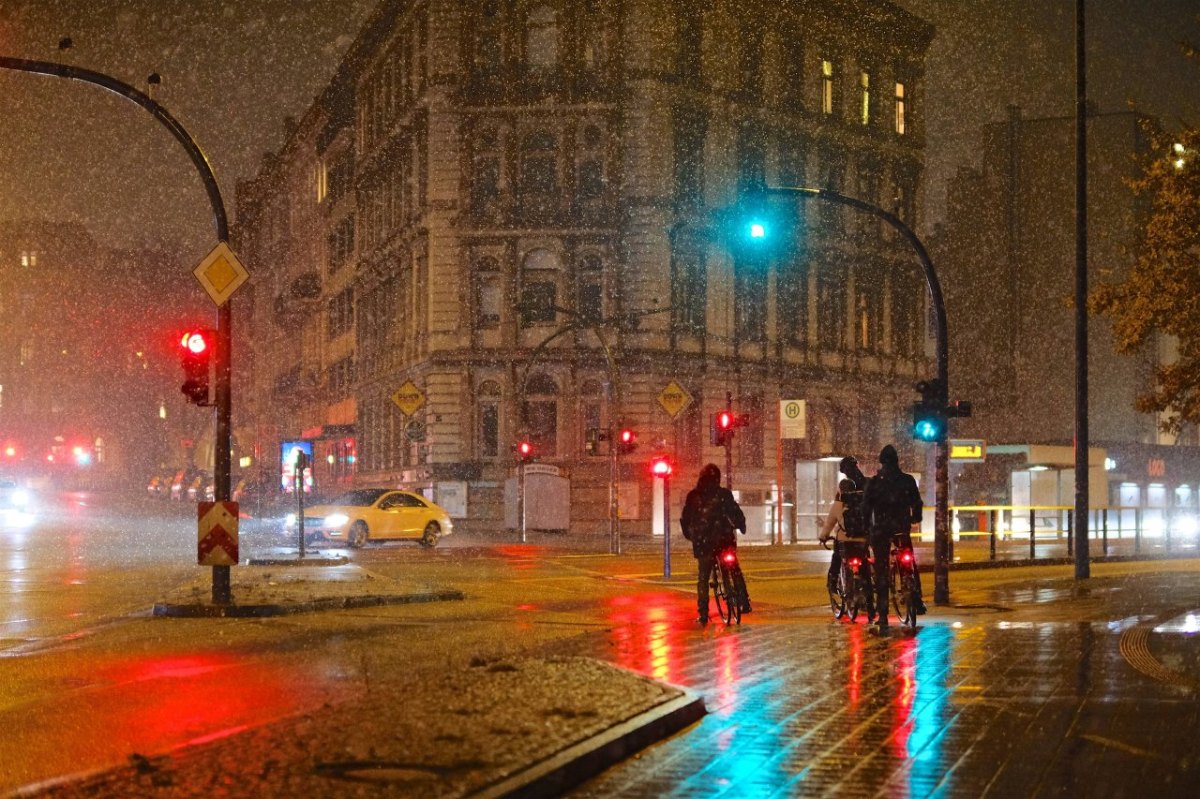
(1134, 529)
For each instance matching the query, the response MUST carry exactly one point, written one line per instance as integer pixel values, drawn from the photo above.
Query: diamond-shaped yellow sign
(674, 398)
(221, 273)
(408, 398)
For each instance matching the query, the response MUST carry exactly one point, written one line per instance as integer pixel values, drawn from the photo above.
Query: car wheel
(430, 536)
(358, 534)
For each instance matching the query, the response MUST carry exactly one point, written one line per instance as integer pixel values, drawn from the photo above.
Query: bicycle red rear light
(730, 557)
(855, 563)
(906, 556)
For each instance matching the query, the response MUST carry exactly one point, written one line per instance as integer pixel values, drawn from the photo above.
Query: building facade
(512, 221)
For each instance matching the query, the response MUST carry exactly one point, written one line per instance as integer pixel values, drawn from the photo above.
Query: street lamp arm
(931, 278)
(147, 102)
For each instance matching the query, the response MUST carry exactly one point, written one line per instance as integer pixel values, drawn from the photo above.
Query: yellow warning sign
(674, 398)
(408, 398)
(221, 273)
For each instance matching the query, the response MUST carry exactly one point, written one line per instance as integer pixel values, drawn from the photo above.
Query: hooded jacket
(892, 502)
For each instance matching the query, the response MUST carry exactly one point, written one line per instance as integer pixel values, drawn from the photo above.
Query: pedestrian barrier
(1127, 528)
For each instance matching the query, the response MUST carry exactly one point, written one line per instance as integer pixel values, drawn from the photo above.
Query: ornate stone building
(522, 209)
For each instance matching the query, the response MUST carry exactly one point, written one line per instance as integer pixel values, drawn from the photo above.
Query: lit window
(864, 84)
(899, 108)
(826, 87)
(541, 38)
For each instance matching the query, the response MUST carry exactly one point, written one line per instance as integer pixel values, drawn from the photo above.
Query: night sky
(232, 70)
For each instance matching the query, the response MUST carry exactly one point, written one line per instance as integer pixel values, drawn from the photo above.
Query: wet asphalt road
(1027, 686)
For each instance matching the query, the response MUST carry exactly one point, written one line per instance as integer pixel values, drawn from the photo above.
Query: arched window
(488, 419)
(540, 413)
(541, 38)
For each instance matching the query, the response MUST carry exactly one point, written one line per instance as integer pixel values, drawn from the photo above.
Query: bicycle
(726, 591)
(851, 592)
(902, 574)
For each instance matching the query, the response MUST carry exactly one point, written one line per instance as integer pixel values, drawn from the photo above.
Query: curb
(233, 611)
(334, 560)
(1027, 562)
(577, 764)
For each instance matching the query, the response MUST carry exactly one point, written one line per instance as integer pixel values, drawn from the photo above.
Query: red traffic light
(661, 467)
(627, 436)
(524, 450)
(195, 342)
(725, 420)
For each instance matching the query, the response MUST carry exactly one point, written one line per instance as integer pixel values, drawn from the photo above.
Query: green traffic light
(758, 230)
(927, 430)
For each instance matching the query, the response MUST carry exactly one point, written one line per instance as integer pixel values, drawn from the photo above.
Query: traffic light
(626, 441)
(929, 413)
(721, 431)
(524, 450)
(660, 466)
(196, 356)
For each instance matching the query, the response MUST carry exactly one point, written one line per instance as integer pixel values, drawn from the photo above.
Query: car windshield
(362, 498)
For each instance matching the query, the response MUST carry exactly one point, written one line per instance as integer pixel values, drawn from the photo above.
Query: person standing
(709, 520)
(892, 505)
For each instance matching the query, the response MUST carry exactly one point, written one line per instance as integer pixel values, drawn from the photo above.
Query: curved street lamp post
(221, 457)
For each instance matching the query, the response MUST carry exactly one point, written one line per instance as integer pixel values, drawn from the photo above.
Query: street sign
(221, 273)
(408, 398)
(414, 431)
(674, 398)
(793, 419)
(217, 533)
(968, 450)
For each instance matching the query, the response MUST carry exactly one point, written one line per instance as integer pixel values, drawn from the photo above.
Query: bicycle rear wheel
(837, 595)
(908, 599)
(720, 595)
(727, 600)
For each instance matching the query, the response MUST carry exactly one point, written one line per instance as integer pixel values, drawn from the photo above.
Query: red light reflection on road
(902, 706)
(854, 667)
(647, 634)
(521, 557)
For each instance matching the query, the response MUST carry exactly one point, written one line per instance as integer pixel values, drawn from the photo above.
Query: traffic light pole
(222, 459)
(941, 537)
(729, 443)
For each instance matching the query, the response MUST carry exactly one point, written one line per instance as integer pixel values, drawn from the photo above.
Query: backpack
(854, 521)
(712, 525)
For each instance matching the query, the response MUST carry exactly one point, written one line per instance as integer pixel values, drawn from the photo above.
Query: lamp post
(221, 456)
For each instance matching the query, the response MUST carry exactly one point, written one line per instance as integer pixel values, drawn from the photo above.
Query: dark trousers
(881, 550)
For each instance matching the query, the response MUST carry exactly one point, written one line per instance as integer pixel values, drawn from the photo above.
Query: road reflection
(920, 713)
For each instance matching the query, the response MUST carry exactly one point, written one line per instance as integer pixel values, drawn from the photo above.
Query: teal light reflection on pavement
(921, 706)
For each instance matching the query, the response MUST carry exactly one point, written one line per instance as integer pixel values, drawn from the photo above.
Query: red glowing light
(855, 563)
(627, 436)
(724, 420)
(194, 342)
(524, 448)
(661, 467)
(730, 557)
(906, 556)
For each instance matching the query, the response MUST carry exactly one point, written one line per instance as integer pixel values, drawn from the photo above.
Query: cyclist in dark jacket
(892, 505)
(710, 518)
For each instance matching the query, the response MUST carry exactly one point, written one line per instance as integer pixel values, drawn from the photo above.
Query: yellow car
(370, 514)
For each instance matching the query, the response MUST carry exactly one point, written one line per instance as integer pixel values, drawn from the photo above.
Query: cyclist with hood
(710, 518)
(892, 505)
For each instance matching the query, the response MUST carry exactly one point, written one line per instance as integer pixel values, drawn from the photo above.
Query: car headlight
(20, 497)
(290, 520)
(336, 519)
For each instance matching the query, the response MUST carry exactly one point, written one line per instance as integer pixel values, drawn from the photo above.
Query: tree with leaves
(1160, 296)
